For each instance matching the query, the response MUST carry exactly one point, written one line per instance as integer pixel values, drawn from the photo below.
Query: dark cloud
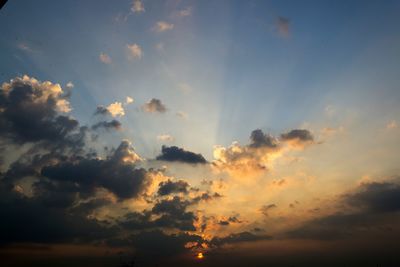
(206, 196)
(31, 220)
(107, 125)
(174, 214)
(101, 110)
(31, 112)
(376, 197)
(300, 135)
(259, 139)
(237, 238)
(114, 173)
(372, 209)
(157, 246)
(178, 154)
(169, 187)
(154, 106)
(232, 219)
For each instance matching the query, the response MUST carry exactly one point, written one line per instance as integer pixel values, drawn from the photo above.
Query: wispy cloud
(137, 6)
(134, 51)
(162, 26)
(106, 59)
(283, 27)
(185, 12)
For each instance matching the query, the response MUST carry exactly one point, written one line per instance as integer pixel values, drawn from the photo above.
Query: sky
(199, 133)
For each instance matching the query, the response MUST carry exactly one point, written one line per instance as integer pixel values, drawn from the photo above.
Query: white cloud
(165, 138)
(135, 51)
(105, 58)
(69, 85)
(162, 26)
(116, 109)
(137, 6)
(128, 100)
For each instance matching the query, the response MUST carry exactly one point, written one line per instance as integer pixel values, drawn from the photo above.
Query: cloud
(266, 208)
(259, 139)
(157, 247)
(298, 137)
(256, 157)
(137, 6)
(174, 215)
(237, 238)
(70, 85)
(176, 154)
(283, 26)
(182, 115)
(165, 138)
(185, 88)
(185, 12)
(107, 125)
(134, 51)
(116, 173)
(369, 210)
(376, 197)
(31, 112)
(116, 109)
(154, 106)
(391, 125)
(162, 26)
(24, 47)
(169, 187)
(129, 100)
(106, 59)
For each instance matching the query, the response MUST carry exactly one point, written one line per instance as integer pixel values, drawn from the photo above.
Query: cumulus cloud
(162, 26)
(137, 6)
(178, 154)
(134, 51)
(116, 109)
(116, 173)
(154, 106)
(32, 111)
(106, 59)
(256, 157)
(169, 187)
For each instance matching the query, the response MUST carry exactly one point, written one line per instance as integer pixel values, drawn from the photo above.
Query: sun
(200, 256)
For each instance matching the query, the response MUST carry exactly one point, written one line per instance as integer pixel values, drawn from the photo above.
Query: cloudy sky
(199, 133)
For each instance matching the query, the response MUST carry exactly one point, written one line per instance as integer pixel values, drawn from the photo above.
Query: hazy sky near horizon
(248, 130)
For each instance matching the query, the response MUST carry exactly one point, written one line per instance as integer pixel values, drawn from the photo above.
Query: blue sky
(244, 73)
